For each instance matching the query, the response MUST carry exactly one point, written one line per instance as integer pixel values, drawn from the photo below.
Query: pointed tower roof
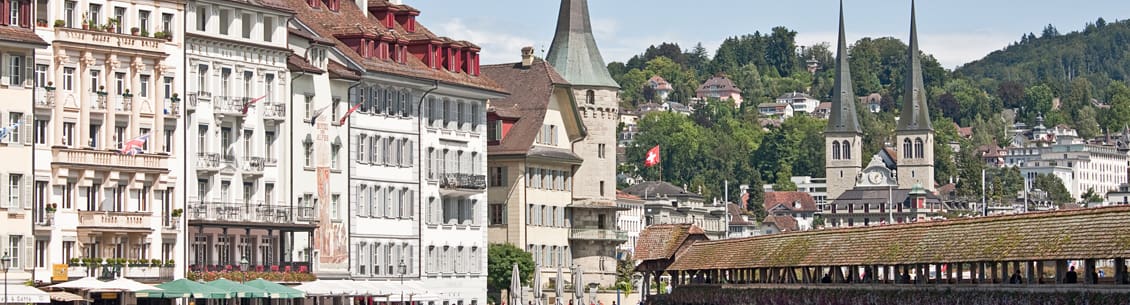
(915, 115)
(573, 52)
(843, 118)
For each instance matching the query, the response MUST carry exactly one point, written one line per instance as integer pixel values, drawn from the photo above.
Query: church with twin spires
(897, 184)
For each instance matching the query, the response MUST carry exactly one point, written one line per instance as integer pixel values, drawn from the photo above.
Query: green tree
(500, 264)
(970, 166)
(1039, 101)
(625, 268)
(1091, 196)
(1051, 184)
(1086, 122)
(780, 51)
(1116, 118)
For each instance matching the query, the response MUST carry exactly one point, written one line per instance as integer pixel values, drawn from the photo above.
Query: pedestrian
(1094, 277)
(827, 279)
(1071, 277)
(1016, 279)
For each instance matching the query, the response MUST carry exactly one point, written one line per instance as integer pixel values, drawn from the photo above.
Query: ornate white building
(107, 83)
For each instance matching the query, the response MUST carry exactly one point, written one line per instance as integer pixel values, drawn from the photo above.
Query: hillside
(1098, 53)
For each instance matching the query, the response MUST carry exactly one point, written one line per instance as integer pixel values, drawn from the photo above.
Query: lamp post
(5, 261)
(402, 269)
(243, 266)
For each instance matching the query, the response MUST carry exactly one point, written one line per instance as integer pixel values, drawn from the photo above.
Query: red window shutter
(4, 11)
(25, 15)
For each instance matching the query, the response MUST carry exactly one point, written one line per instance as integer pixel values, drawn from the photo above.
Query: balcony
(115, 221)
(463, 184)
(226, 105)
(196, 97)
(172, 108)
(256, 212)
(108, 41)
(100, 159)
(275, 112)
(598, 234)
(252, 166)
(97, 102)
(122, 103)
(44, 99)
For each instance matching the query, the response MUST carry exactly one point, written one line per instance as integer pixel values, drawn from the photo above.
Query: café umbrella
(184, 288)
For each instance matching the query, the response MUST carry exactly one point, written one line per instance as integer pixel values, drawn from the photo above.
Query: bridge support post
(960, 272)
(993, 272)
(805, 276)
(1031, 266)
(1039, 272)
(1060, 271)
(980, 272)
(1089, 271)
(1120, 271)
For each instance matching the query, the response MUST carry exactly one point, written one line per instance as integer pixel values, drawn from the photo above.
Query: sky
(954, 31)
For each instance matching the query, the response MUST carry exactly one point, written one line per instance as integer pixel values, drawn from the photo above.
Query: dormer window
(331, 4)
(313, 3)
(390, 20)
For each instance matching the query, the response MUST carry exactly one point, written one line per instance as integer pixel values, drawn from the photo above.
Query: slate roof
(655, 189)
(843, 117)
(657, 242)
(531, 90)
(787, 199)
(736, 213)
(877, 194)
(20, 35)
(350, 19)
(720, 82)
(1098, 233)
(559, 154)
(573, 52)
(785, 223)
(915, 115)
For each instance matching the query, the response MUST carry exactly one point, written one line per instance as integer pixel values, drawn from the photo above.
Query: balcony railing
(228, 105)
(172, 107)
(44, 98)
(250, 212)
(123, 103)
(253, 165)
(97, 158)
(464, 182)
(109, 41)
(97, 102)
(207, 162)
(116, 220)
(598, 234)
(274, 111)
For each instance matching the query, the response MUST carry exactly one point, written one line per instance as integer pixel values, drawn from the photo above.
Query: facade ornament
(87, 59)
(61, 56)
(137, 64)
(112, 63)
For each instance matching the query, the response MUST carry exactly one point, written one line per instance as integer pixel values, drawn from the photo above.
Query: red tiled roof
(1098, 233)
(531, 90)
(350, 19)
(20, 35)
(785, 223)
(622, 195)
(299, 64)
(891, 152)
(788, 199)
(736, 213)
(659, 242)
(340, 71)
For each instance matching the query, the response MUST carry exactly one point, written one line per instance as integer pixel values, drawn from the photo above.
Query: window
(144, 85)
(497, 214)
(247, 24)
(14, 190)
(202, 18)
(40, 76)
(202, 77)
(497, 176)
(144, 131)
(835, 150)
(68, 78)
(167, 22)
(143, 21)
(68, 134)
(69, 13)
(906, 149)
(268, 28)
(120, 82)
(590, 97)
(168, 86)
(94, 13)
(14, 118)
(120, 13)
(16, 68)
(225, 21)
(14, 250)
(601, 151)
(94, 77)
(918, 151)
(334, 156)
(40, 131)
(847, 150)
(494, 130)
(308, 154)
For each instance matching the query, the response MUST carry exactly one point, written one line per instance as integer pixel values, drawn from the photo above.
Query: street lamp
(5, 261)
(402, 269)
(243, 266)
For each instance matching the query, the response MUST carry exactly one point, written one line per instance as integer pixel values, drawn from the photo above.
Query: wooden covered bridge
(1027, 249)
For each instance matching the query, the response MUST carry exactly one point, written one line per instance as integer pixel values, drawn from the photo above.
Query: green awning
(240, 290)
(276, 290)
(184, 288)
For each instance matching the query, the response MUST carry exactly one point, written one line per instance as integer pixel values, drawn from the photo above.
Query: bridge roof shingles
(1073, 234)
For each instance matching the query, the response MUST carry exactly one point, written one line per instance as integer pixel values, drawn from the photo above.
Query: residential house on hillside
(661, 88)
(801, 102)
(776, 110)
(798, 205)
(720, 87)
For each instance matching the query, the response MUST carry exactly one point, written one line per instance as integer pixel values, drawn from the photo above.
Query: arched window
(906, 149)
(835, 150)
(590, 97)
(918, 151)
(847, 150)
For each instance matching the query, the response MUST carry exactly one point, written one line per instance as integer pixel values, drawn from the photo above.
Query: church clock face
(875, 177)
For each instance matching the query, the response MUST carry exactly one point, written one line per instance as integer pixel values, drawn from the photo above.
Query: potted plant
(134, 30)
(75, 261)
(127, 94)
(170, 263)
(60, 23)
(50, 86)
(101, 91)
(41, 23)
(155, 262)
(144, 33)
(175, 98)
(85, 22)
(111, 24)
(50, 208)
(177, 212)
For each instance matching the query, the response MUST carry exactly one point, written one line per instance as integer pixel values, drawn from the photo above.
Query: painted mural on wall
(330, 238)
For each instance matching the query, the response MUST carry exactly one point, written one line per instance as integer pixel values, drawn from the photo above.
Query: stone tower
(575, 56)
(914, 136)
(843, 137)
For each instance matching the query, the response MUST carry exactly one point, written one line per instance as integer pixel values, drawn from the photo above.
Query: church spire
(573, 52)
(915, 115)
(843, 117)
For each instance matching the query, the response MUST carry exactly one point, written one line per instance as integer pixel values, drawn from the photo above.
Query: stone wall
(893, 295)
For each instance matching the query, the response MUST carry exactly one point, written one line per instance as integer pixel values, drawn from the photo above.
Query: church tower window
(918, 151)
(846, 150)
(906, 149)
(835, 150)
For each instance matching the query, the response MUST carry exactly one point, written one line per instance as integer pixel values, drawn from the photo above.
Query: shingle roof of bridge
(1100, 233)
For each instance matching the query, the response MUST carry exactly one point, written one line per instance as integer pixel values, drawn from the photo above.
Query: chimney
(364, 5)
(527, 57)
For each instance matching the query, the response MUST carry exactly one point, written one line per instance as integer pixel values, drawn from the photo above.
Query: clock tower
(843, 137)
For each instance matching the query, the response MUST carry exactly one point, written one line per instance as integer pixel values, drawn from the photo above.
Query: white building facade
(107, 84)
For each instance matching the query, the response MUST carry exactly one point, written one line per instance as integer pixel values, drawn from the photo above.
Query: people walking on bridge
(827, 279)
(905, 277)
(1071, 277)
(1016, 279)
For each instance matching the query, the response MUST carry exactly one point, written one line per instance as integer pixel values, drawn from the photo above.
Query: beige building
(107, 84)
(530, 161)
(665, 203)
(17, 183)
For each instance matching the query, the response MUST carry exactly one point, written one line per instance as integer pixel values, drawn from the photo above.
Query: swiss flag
(652, 157)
